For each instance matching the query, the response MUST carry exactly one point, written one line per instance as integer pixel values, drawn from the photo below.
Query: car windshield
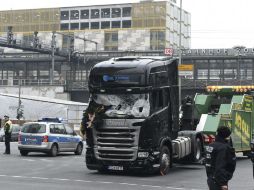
(34, 128)
(122, 105)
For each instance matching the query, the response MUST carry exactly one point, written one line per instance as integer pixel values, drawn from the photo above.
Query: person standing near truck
(7, 132)
(220, 160)
(92, 117)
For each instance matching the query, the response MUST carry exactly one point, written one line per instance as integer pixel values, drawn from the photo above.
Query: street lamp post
(53, 44)
(180, 54)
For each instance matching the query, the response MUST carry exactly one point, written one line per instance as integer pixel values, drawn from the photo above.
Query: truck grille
(119, 143)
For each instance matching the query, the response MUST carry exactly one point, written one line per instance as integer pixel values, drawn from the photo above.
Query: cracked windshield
(122, 105)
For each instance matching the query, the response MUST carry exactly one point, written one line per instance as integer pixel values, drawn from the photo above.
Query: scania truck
(140, 125)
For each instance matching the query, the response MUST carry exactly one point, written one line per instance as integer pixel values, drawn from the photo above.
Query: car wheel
(79, 149)
(165, 160)
(23, 153)
(54, 150)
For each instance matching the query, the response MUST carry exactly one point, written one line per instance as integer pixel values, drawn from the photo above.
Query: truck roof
(131, 61)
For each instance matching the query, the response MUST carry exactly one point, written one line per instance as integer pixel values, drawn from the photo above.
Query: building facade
(210, 67)
(143, 26)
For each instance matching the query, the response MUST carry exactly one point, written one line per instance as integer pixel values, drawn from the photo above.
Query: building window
(95, 13)
(105, 13)
(116, 12)
(161, 36)
(74, 26)
(111, 41)
(105, 25)
(126, 11)
(215, 73)
(157, 40)
(95, 25)
(126, 24)
(116, 24)
(84, 14)
(114, 37)
(202, 74)
(74, 15)
(64, 26)
(84, 25)
(64, 15)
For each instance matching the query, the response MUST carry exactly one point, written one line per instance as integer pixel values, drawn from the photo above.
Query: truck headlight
(143, 154)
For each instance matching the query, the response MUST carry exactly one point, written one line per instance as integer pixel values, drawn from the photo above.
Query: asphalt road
(67, 171)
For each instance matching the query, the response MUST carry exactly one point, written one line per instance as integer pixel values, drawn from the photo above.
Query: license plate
(118, 168)
(30, 141)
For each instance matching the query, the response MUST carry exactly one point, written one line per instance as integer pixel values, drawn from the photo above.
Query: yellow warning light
(230, 88)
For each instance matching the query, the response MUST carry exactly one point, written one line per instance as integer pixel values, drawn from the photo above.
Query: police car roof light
(50, 119)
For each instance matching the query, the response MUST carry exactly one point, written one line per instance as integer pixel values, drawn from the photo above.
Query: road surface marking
(104, 182)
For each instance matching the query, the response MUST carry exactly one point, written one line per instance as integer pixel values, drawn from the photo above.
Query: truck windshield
(124, 105)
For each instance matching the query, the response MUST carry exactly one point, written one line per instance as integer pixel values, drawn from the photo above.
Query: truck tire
(197, 155)
(165, 160)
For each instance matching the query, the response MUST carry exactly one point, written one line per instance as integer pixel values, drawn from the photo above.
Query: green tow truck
(222, 105)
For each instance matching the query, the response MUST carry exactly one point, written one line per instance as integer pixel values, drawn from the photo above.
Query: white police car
(49, 136)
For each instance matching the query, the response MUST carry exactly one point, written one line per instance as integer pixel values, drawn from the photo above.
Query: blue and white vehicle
(49, 137)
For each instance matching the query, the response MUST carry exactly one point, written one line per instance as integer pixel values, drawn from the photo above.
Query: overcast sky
(215, 23)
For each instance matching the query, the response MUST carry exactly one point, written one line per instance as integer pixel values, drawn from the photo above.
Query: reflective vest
(8, 127)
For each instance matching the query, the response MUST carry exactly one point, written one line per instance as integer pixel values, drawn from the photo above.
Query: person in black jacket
(220, 160)
(92, 117)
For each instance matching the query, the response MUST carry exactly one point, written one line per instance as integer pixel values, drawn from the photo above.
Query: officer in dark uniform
(7, 133)
(220, 160)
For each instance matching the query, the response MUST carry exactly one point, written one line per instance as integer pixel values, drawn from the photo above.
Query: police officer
(7, 132)
(220, 160)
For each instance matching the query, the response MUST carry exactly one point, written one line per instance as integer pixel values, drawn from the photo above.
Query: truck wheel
(79, 149)
(198, 150)
(54, 150)
(165, 160)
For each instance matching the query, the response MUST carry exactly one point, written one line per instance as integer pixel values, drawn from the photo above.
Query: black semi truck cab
(139, 127)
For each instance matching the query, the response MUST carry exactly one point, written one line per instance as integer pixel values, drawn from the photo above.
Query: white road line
(29, 160)
(44, 178)
(61, 179)
(104, 182)
(46, 160)
(79, 180)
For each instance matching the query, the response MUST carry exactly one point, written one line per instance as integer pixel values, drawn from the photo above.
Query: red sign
(168, 51)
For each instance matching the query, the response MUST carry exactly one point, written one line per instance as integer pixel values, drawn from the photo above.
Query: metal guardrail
(27, 45)
(191, 83)
(31, 82)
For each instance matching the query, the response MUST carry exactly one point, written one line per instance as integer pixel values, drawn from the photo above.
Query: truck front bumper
(151, 162)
